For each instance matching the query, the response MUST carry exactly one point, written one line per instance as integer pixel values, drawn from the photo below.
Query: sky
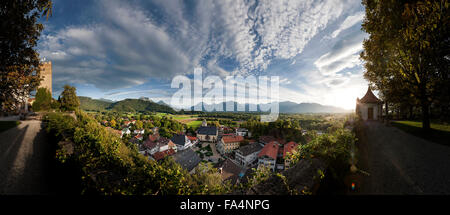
(115, 49)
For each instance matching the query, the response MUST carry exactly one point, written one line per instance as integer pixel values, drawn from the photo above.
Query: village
(231, 150)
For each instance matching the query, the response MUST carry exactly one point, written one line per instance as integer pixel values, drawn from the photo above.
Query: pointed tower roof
(369, 97)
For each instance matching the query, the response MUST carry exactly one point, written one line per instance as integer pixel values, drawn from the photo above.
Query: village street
(399, 163)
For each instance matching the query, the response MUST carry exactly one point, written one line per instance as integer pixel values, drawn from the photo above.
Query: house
(151, 145)
(242, 132)
(188, 159)
(182, 141)
(166, 144)
(268, 155)
(139, 131)
(264, 140)
(125, 131)
(248, 154)
(207, 134)
(369, 107)
(126, 123)
(155, 143)
(288, 149)
(230, 171)
(162, 154)
(139, 137)
(194, 140)
(229, 143)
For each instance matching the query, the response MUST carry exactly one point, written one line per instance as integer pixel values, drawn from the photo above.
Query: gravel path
(24, 160)
(400, 163)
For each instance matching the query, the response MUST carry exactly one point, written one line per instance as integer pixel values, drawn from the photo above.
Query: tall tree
(19, 62)
(69, 99)
(43, 100)
(407, 52)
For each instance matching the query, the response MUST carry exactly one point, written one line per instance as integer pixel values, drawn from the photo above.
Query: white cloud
(349, 22)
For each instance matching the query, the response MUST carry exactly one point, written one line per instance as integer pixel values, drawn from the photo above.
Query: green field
(5, 125)
(194, 124)
(440, 133)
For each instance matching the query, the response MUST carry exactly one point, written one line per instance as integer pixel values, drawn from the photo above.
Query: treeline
(67, 101)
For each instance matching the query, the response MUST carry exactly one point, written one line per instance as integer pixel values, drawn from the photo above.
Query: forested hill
(89, 104)
(126, 105)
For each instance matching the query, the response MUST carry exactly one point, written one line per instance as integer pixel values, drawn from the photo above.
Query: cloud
(349, 22)
(123, 50)
(344, 54)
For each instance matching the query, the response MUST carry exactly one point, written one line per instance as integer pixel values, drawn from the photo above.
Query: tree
(19, 62)
(407, 51)
(69, 99)
(43, 100)
(113, 123)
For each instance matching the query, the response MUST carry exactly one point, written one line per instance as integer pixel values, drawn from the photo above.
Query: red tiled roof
(289, 147)
(149, 144)
(232, 139)
(266, 139)
(160, 155)
(369, 97)
(192, 138)
(153, 137)
(270, 150)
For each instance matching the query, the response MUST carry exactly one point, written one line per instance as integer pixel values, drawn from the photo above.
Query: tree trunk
(425, 116)
(411, 114)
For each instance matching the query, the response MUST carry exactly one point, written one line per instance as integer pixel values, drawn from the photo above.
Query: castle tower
(46, 74)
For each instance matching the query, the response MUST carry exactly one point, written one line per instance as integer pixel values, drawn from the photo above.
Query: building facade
(369, 107)
(229, 143)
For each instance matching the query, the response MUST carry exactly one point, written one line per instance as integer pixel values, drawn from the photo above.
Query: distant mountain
(89, 104)
(292, 107)
(126, 105)
(287, 107)
(141, 105)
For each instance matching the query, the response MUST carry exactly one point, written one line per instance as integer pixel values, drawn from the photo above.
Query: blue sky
(127, 49)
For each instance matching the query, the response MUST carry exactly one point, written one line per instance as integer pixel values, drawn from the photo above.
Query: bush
(337, 149)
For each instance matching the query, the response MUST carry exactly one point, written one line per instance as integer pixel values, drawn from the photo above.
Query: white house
(248, 154)
(268, 155)
(242, 132)
(369, 107)
(125, 131)
(139, 131)
(182, 141)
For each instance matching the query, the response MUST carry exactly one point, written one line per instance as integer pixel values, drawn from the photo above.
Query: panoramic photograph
(232, 99)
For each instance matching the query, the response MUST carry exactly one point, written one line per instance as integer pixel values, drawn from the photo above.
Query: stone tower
(46, 74)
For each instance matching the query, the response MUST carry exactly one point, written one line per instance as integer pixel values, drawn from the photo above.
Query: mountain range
(141, 105)
(126, 105)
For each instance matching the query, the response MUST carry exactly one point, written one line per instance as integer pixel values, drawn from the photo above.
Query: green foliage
(337, 149)
(69, 100)
(43, 100)
(5, 125)
(139, 105)
(89, 104)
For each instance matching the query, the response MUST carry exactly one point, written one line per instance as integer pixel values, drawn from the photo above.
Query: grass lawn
(5, 125)
(194, 124)
(439, 133)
